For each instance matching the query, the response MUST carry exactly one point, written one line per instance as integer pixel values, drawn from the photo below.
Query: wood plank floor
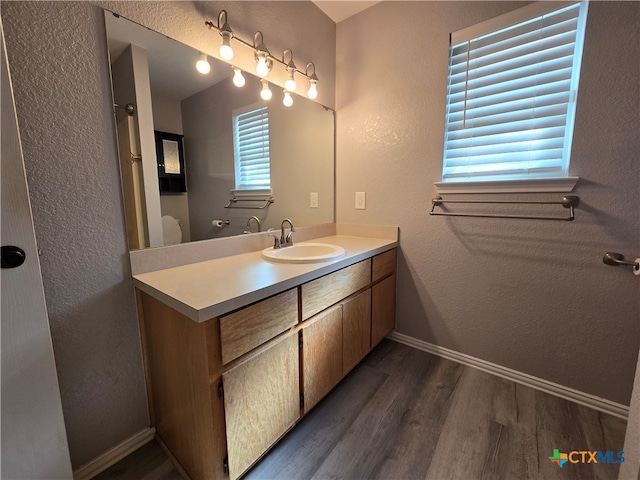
(405, 414)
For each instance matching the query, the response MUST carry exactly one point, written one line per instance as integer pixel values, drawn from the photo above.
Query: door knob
(616, 259)
(12, 256)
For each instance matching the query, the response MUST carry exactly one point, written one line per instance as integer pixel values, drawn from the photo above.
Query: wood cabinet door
(321, 355)
(383, 314)
(261, 402)
(356, 330)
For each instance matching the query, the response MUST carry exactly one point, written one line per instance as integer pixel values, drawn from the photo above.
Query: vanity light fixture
(287, 101)
(312, 93)
(264, 60)
(290, 83)
(265, 93)
(226, 52)
(202, 65)
(264, 63)
(238, 78)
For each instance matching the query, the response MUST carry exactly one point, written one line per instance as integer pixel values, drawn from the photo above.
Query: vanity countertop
(211, 288)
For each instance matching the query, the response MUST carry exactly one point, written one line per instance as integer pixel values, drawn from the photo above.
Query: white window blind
(511, 95)
(251, 149)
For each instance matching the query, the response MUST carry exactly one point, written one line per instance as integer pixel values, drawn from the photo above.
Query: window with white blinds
(251, 149)
(511, 95)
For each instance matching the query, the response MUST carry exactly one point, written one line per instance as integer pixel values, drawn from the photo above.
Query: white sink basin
(304, 253)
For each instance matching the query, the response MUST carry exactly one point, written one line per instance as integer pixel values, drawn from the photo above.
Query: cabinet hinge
(300, 340)
(301, 400)
(225, 465)
(220, 391)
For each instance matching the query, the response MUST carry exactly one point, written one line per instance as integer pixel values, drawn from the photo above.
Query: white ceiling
(338, 10)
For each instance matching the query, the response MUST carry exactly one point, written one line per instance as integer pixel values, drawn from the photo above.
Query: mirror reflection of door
(130, 73)
(132, 185)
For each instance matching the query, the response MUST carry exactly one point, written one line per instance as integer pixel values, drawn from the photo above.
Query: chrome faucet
(288, 240)
(257, 223)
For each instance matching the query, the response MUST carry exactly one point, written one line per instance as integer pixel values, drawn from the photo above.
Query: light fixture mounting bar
(235, 38)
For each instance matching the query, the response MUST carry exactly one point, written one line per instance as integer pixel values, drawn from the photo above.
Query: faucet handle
(276, 241)
(289, 238)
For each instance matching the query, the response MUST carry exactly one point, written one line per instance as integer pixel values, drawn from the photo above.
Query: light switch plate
(313, 199)
(361, 202)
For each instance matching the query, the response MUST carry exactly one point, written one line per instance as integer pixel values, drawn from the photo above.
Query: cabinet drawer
(245, 329)
(384, 264)
(325, 291)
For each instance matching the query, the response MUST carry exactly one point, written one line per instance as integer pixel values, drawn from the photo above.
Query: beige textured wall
(531, 296)
(58, 60)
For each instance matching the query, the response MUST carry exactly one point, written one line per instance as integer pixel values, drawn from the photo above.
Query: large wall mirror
(181, 140)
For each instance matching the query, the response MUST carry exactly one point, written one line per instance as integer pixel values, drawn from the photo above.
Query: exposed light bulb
(312, 93)
(263, 65)
(290, 83)
(288, 99)
(238, 78)
(262, 68)
(226, 52)
(202, 65)
(265, 93)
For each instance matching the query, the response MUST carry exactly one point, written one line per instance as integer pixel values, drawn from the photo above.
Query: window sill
(543, 185)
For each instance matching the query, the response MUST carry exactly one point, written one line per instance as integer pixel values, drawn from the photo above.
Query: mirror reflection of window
(251, 148)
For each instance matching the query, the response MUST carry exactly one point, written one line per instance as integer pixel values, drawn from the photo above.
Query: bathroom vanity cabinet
(223, 391)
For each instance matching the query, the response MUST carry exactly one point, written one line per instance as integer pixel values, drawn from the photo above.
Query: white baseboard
(582, 398)
(114, 455)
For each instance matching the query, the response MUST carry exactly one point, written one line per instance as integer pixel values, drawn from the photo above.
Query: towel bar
(569, 201)
(233, 203)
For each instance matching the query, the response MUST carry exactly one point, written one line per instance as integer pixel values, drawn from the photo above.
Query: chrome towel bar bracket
(568, 201)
